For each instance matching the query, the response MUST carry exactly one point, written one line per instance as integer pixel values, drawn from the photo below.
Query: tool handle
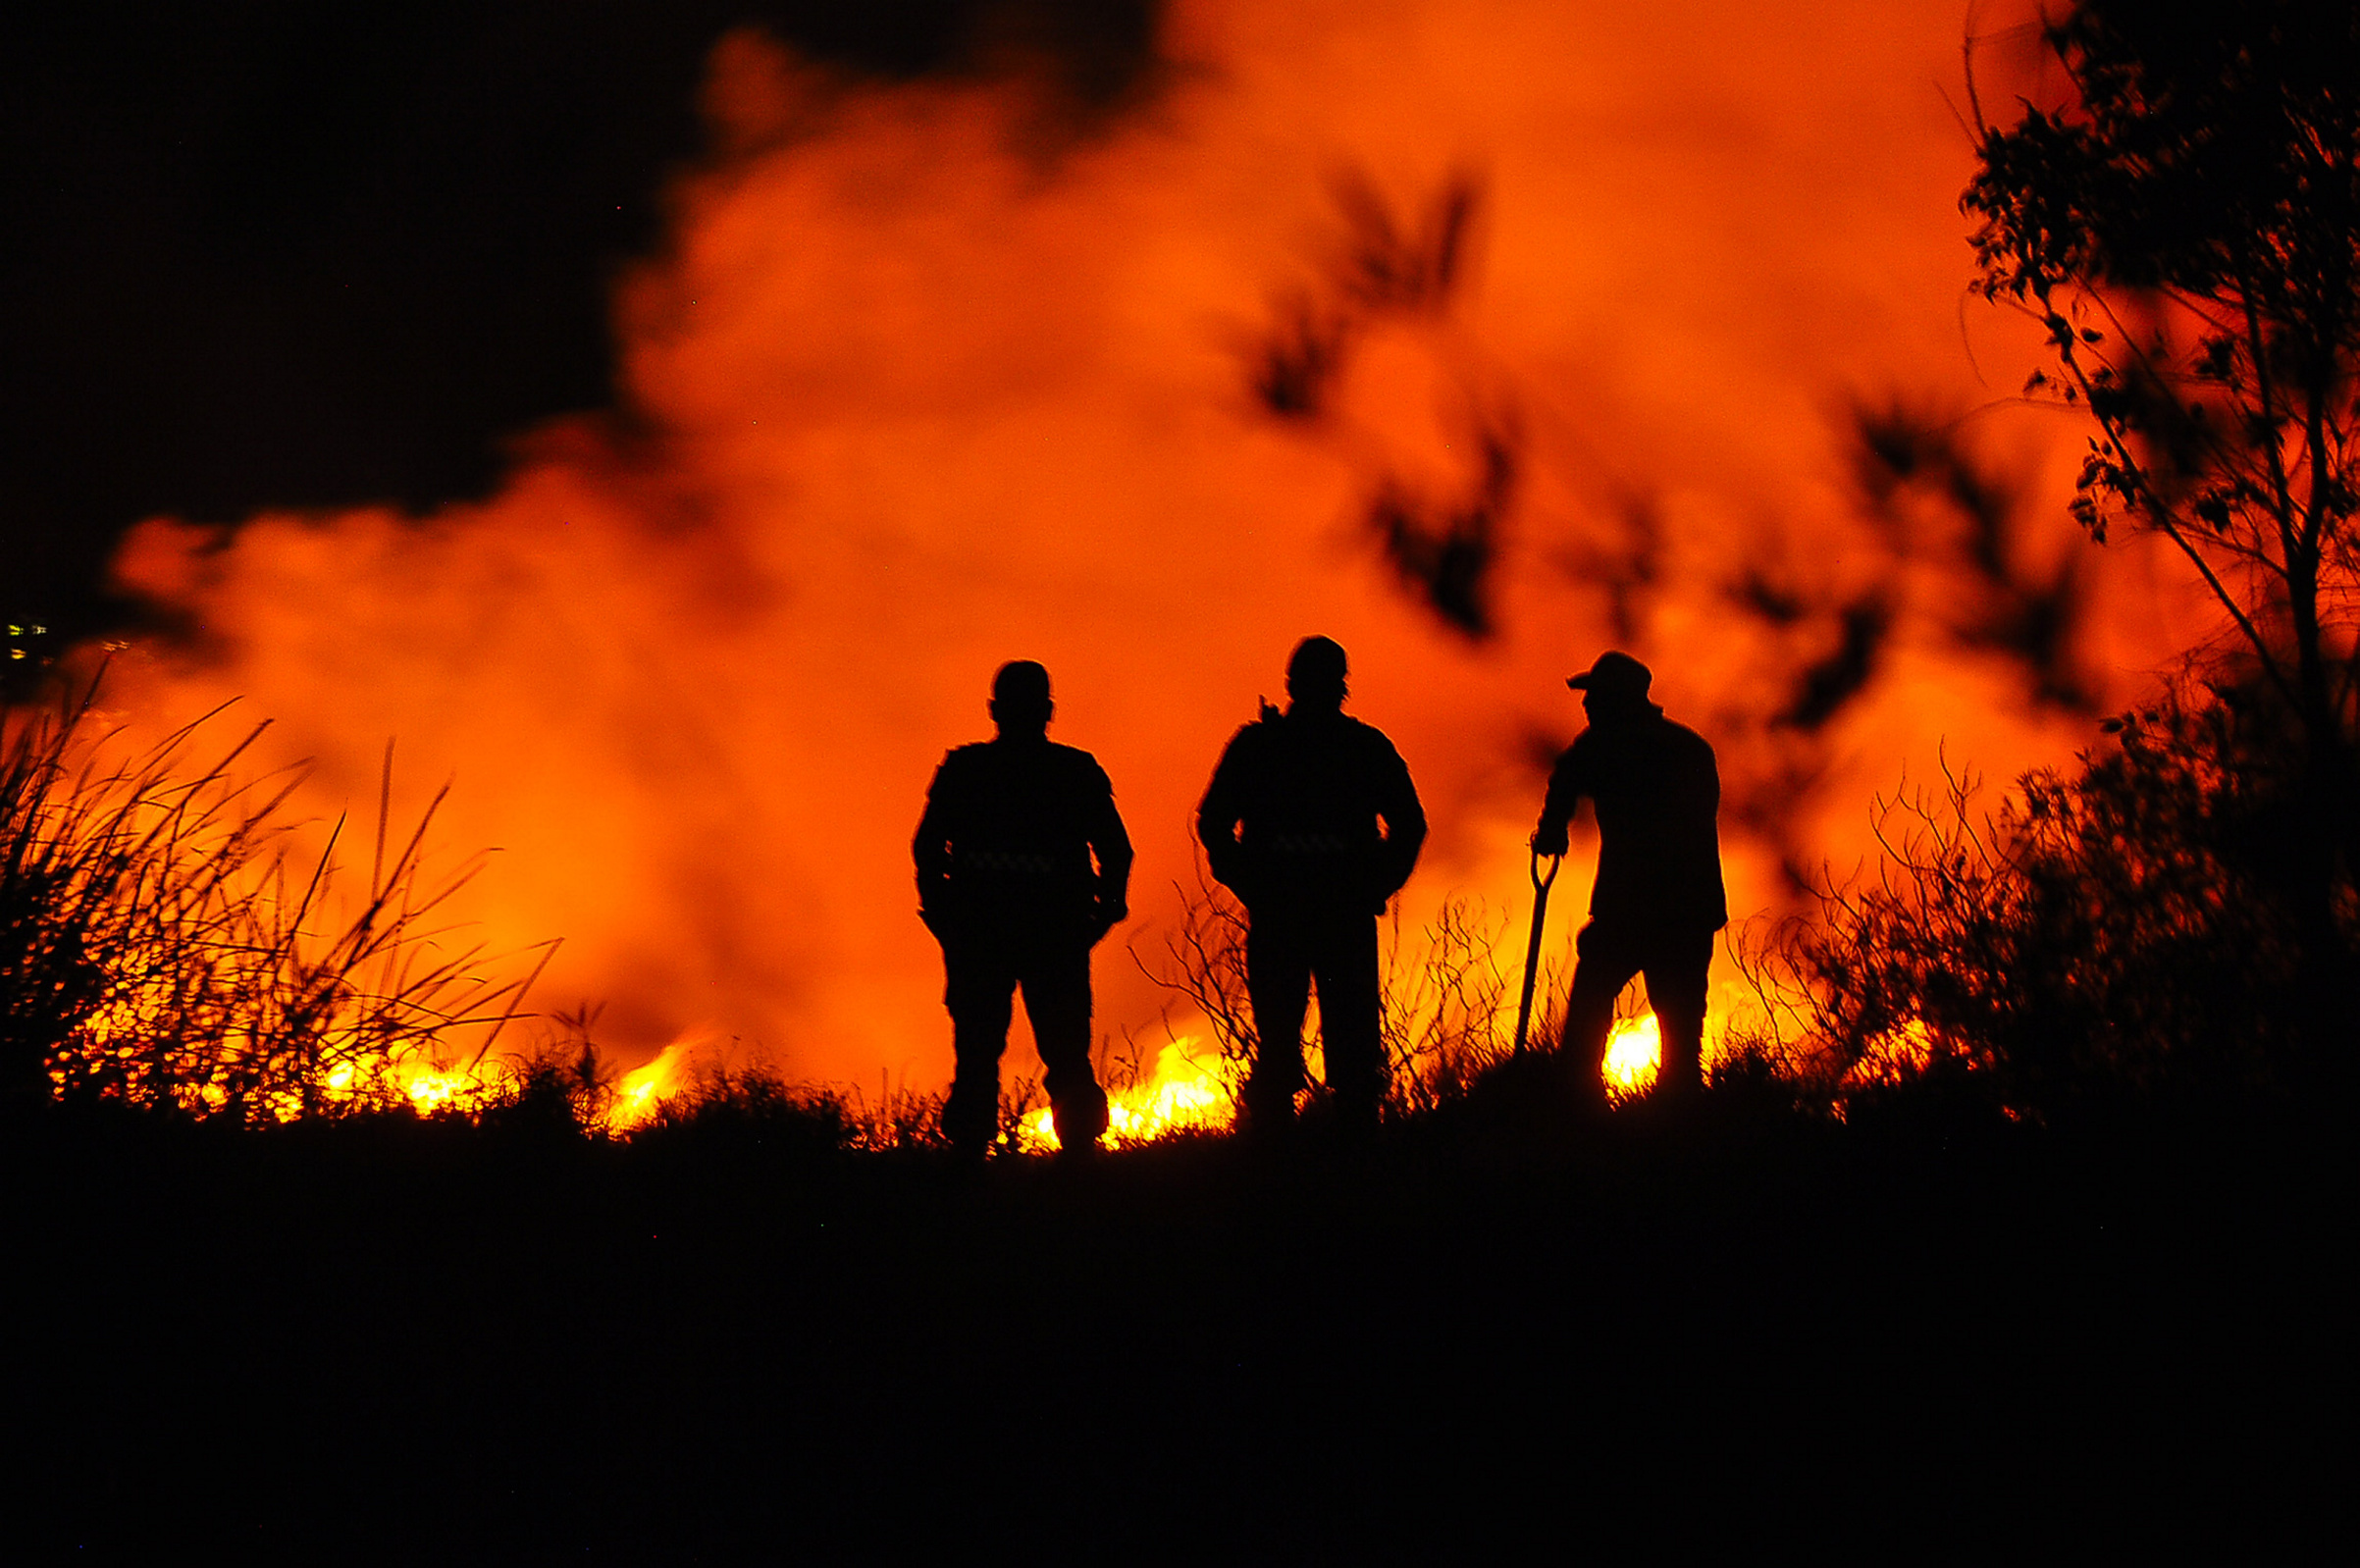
(1532, 952)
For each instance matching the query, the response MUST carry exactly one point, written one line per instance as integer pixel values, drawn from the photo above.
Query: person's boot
(1679, 1086)
(1086, 1142)
(1356, 1120)
(971, 1124)
(1265, 1110)
(1266, 1121)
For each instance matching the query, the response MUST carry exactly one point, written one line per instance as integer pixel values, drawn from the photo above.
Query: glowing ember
(1634, 1051)
(1183, 1095)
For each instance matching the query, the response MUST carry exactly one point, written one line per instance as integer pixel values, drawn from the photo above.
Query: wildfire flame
(1634, 1053)
(433, 1092)
(1896, 1055)
(1183, 1094)
(432, 1087)
(642, 1090)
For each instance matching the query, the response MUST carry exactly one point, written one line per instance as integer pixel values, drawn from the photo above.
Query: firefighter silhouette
(1658, 899)
(1023, 864)
(1312, 821)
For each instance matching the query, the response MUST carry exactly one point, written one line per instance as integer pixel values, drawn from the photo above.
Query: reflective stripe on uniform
(1307, 844)
(1005, 861)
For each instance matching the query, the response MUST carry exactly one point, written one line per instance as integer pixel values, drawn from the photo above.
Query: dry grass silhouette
(159, 944)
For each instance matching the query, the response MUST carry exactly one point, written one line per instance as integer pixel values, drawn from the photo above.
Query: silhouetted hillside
(1923, 1331)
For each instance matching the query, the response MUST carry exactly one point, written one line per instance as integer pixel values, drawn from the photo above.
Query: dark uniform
(1658, 899)
(1022, 866)
(1290, 825)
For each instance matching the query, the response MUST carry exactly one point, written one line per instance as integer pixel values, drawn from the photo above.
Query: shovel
(1532, 952)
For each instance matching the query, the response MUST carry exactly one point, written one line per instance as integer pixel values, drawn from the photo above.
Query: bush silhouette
(2133, 925)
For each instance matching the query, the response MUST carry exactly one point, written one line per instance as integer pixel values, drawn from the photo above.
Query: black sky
(274, 252)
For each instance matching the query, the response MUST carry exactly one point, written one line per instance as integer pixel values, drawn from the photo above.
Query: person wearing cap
(1659, 897)
(1312, 821)
(1022, 865)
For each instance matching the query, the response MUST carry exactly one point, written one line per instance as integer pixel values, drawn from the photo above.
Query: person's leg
(1057, 999)
(979, 985)
(1603, 964)
(1277, 982)
(1677, 969)
(1351, 1021)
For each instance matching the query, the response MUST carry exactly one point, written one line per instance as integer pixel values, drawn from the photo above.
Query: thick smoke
(1478, 337)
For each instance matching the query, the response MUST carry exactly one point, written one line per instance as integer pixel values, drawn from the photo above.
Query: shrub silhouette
(755, 1105)
(2188, 234)
(2134, 925)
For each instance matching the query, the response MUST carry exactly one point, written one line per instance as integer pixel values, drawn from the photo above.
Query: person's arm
(1404, 825)
(1218, 818)
(1110, 846)
(932, 850)
(1565, 792)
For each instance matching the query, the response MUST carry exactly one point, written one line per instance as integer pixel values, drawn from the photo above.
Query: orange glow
(920, 384)
(1633, 1054)
(432, 1091)
(1896, 1056)
(643, 1091)
(1184, 1094)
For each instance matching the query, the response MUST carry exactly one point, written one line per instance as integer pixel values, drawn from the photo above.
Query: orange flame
(1633, 1054)
(1183, 1094)
(642, 1091)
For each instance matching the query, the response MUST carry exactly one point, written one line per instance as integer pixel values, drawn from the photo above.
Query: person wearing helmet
(1656, 793)
(1022, 865)
(1312, 821)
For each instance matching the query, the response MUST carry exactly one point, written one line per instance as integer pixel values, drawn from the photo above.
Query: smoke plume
(1479, 337)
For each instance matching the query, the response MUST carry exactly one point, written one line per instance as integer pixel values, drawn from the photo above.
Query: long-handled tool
(1532, 952)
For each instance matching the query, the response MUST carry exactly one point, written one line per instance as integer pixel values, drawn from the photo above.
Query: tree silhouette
(1404, 267)
(2188, 231)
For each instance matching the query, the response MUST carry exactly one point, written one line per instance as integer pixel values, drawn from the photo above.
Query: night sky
(265, 253)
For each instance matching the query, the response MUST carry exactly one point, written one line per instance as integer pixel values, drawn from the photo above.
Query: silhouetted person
(1659, 897)
(1291, 825)
(1022, 867)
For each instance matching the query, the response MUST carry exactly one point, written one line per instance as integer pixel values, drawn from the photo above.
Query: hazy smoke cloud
(1477, 337)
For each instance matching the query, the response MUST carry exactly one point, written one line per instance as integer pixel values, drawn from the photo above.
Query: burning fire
(1896, 1055)
(430, 1087)
(1183, 1094)
(432, 1091)
(1634, 1053)
(643, 1091)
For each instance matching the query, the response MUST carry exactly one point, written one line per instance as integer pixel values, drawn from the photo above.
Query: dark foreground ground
(1490, 1337)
